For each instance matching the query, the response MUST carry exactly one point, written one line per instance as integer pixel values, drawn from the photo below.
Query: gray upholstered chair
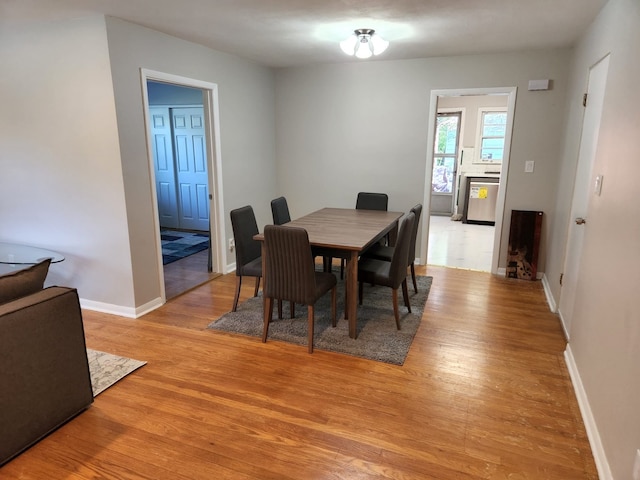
(372, 201)
(280, 211)
(384, 252)
(391, 274)
(368, 201)
(248, 250)
(290, 274)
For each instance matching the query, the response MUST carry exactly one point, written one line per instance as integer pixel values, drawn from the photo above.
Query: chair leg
(341, 268)
(279, 309)
(405, 294)
(237, 296)
(326, 264)
(292, 309)
(413, 277)
(334, 295)
(255, 292)
(310, 314)
(268, 315)
(394, 294)
(360, 291)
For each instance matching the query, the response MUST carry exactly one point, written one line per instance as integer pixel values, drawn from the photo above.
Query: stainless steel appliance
(482, 195)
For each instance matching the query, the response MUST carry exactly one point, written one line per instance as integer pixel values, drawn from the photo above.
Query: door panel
(164, 169)
(191, 162)
(582, 188)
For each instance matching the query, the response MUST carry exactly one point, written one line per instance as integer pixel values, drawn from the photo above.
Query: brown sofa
(44, 372)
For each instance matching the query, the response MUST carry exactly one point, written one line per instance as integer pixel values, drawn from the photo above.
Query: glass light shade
(364, 43)
(379, 44)
(348, 45)
(363, 49)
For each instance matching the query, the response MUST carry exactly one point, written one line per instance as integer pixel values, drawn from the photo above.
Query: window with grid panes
(493, 128)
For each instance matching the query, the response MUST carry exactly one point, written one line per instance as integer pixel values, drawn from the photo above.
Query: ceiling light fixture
(363, 43)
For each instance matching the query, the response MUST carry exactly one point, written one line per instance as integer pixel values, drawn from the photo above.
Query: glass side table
(14, 256)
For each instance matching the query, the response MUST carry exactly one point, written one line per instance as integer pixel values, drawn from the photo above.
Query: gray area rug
(106, 369)
(378, 339)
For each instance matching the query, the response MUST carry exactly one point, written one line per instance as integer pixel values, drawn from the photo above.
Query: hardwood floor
(184, 274)
(484, 394)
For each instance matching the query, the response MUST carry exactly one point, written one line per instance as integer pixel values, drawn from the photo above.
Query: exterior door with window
(445, 163)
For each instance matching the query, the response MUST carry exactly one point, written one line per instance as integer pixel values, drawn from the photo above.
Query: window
(491, 132)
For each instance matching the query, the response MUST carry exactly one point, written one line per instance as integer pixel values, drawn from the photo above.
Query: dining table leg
(352, 293)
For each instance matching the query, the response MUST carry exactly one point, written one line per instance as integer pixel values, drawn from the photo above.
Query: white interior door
(191, 168)
(161, 141)
(583, 187)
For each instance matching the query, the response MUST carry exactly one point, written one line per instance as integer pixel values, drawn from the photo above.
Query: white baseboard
(119, 310)
(547, 291)
(604, 471)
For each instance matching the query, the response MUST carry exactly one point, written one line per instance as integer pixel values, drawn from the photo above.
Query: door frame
(214, 165)
(433, 110)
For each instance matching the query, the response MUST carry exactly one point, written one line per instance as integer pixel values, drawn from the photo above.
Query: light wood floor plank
(484, 394)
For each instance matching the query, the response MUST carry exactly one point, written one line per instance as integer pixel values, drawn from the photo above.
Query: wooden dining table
(346, 233)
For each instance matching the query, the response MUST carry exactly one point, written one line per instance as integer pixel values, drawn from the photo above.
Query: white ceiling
(280, 33)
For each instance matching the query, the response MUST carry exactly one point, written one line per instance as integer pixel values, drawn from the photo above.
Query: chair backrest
(398, 267)
(290, 271)
(243, 222)
(280, 211)
(417, 211)
(372, 201)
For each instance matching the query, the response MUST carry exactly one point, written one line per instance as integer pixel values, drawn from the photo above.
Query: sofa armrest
(44, 370)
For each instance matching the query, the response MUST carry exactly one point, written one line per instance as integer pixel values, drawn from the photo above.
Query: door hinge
(584, 99)
(561, 276)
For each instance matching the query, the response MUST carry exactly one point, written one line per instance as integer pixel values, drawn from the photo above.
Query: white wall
(61, 181)
(605, 330)
(246, 97)
(363, 127)
(75, 172)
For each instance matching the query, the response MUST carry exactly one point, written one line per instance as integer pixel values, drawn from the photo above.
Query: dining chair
(391, 274)
(372, 201)
(384, 252)
(368, 201)
(290, 274)
(280, 211)
(248, 250)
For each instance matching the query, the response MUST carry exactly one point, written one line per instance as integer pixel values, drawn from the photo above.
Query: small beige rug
(106, 369)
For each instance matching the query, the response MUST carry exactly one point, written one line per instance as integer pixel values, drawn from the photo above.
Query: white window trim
(478, 156)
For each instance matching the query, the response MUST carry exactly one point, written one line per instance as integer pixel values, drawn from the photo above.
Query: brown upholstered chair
(248, 250)
(384, 252)
(280, 213)
(391, 274)
(290, 275)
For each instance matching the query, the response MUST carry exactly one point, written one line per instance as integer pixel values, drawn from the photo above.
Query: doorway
(182, 123)
(472, 161)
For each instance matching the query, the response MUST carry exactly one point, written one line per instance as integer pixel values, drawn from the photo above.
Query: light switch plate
(528, 166)
(597, 189)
